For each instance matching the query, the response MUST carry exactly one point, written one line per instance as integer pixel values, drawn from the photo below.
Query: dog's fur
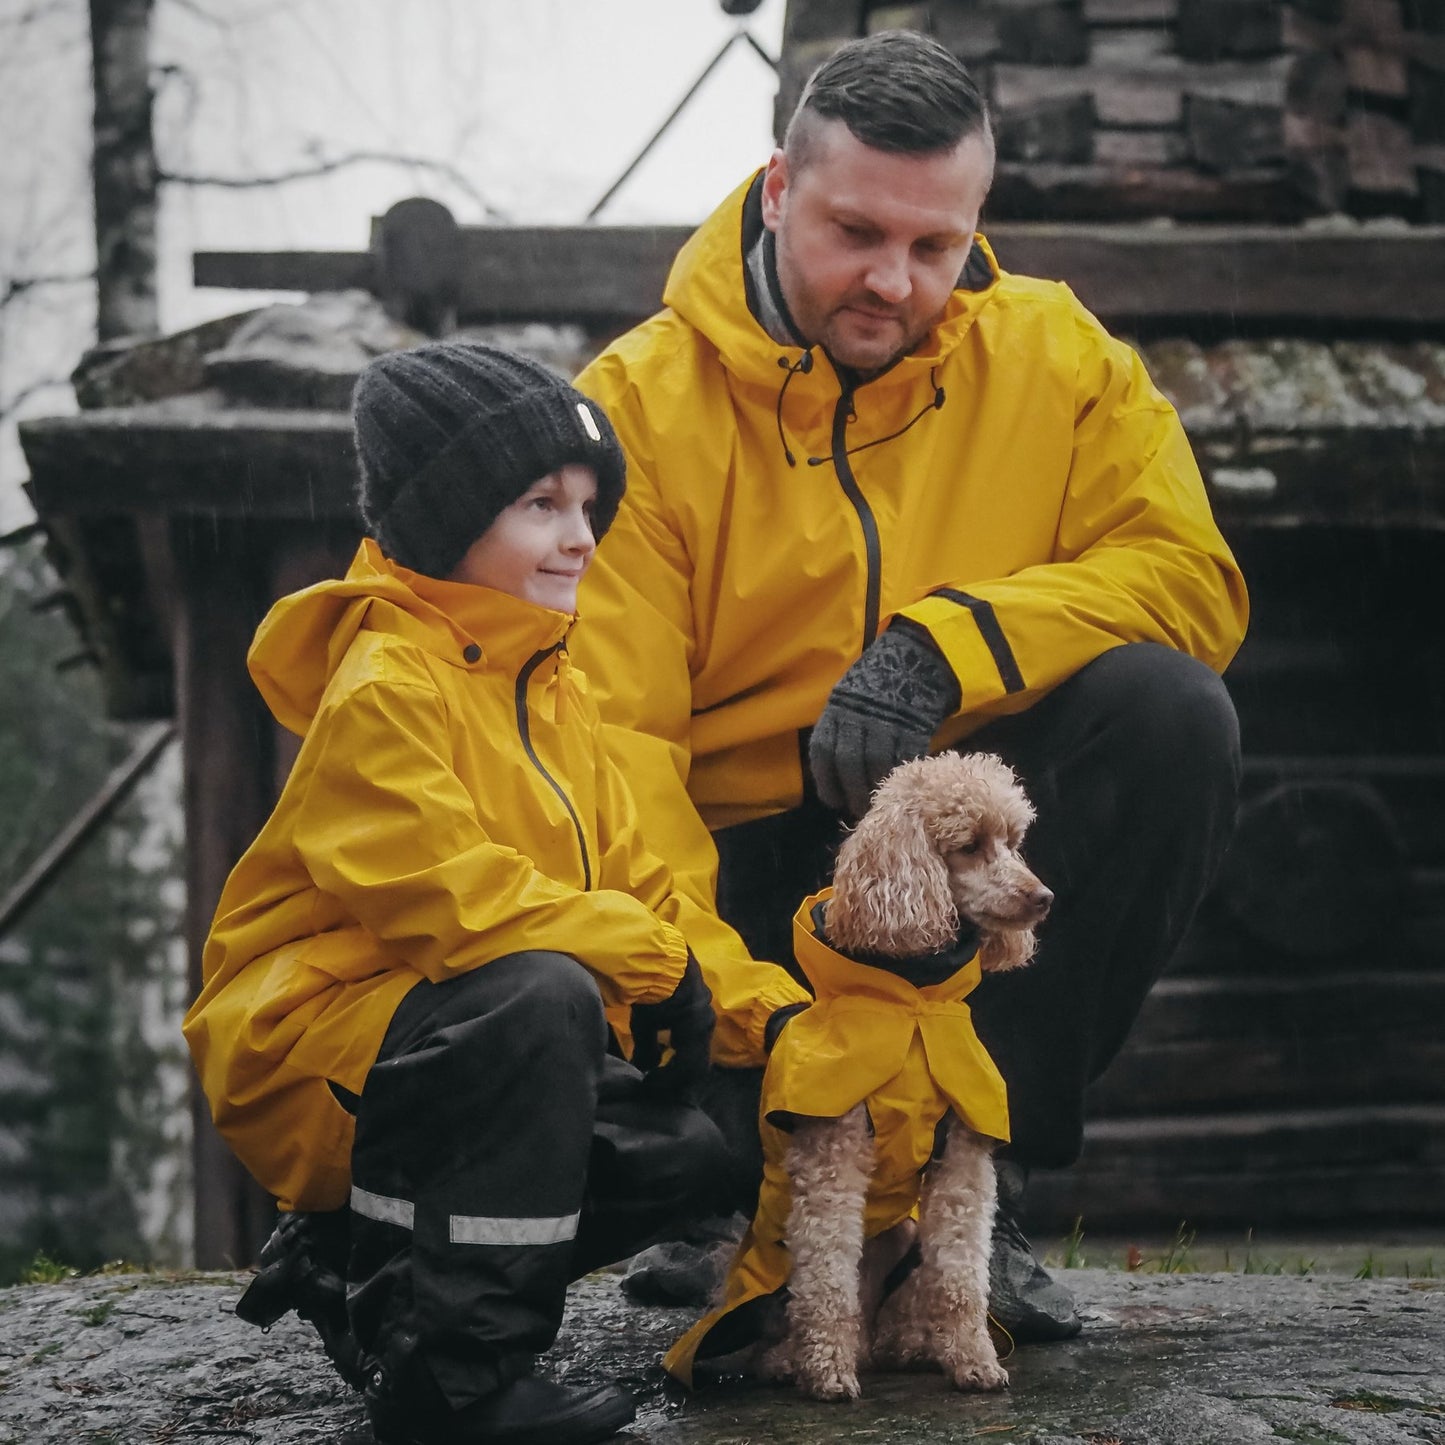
(940, 843)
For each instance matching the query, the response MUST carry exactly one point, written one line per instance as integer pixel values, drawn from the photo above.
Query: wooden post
(228, 774)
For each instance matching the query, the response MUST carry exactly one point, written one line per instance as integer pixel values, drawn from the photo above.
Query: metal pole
(677, 110)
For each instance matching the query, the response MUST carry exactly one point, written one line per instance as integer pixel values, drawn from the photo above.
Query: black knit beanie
(451, 433)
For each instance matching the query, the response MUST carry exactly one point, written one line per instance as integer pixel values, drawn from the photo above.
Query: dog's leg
(940, 1314)
(829, 1164)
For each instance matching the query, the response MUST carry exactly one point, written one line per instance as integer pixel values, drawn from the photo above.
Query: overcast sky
(534, 107)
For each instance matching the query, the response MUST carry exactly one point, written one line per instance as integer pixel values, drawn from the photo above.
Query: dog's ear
(890, 886)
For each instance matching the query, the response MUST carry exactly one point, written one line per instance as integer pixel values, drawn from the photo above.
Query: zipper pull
(565, 685)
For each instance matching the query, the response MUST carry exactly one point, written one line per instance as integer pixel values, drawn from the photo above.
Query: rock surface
(1166, 1359)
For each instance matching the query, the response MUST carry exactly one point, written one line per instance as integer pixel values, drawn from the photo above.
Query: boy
(404, 1026)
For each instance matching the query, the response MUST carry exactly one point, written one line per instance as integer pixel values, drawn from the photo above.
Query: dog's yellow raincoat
(909, 1053)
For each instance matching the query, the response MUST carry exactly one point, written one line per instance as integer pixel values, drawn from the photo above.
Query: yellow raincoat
(1049, 510)
(910, 1054)
(451, 803)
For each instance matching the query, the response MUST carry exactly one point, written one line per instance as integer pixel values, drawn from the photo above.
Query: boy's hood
(304, 637)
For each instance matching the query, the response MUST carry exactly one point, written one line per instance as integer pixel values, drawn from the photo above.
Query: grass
(1186, 1253)
(44, 1270)
(98, 1313)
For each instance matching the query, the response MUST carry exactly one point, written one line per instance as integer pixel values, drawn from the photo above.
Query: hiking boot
(1022, 1297)
(303, 1268)
(531, 1410)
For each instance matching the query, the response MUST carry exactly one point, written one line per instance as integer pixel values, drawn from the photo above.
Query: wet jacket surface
(1048, 510)
(909, 1054)
(451, 803)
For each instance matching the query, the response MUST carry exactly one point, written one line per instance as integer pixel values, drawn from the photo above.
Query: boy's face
(539, 547)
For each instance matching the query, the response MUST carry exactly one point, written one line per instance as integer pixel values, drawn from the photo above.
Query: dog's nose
(1041, 899)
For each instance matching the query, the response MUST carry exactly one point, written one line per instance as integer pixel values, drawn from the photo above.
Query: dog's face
(989, 880)
(940, 842)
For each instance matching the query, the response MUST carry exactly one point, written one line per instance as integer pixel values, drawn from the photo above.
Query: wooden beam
(1124, 273)
(284, 270)
(150, 461)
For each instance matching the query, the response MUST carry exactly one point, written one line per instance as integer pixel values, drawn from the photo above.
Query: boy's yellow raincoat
(910, 1054)
(451, 803)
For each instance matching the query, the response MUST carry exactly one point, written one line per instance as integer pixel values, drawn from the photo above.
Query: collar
(506, 630)
(835, 974)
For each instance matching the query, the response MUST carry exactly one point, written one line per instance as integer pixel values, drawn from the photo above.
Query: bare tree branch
(18, 286)
(34, 12)
(326, 167)
(13, 404)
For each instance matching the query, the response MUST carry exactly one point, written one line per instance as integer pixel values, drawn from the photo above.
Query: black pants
(1133, 768)
(500, 1153)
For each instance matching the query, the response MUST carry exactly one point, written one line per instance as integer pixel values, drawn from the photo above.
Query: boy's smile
(539, 546)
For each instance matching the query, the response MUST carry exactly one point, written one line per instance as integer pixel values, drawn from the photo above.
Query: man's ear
(775, 183)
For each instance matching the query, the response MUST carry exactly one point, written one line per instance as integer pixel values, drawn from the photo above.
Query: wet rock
(1163, 1360)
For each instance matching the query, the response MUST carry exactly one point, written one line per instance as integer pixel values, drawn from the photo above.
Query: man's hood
(304, 637)
(708, 288)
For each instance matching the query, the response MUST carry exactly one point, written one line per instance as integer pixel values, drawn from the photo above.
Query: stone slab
(1165, 1359)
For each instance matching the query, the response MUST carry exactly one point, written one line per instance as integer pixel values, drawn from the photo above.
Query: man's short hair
(896, 91)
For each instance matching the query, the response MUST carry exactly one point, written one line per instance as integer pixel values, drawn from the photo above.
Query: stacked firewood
(1199, 109)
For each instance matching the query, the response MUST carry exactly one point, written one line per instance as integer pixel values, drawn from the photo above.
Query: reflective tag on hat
(588, 421)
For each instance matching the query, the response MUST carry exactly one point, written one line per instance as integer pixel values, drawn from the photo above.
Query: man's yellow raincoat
(1017, 486)
(910, 1054)
(451, 803)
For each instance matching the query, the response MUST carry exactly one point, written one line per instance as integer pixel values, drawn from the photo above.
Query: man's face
(870, 244)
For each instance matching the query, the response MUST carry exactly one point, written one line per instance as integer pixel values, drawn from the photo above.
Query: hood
(707, 283)
(304, 637)
(942, 978)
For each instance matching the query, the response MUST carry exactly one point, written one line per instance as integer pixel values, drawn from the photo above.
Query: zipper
(871, 547)
(525, 731)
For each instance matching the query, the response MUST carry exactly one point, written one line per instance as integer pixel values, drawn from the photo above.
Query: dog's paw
(831, 1385)
(826, 1369)
(976, 1374)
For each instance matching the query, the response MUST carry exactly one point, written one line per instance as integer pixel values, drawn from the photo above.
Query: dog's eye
(971, 846)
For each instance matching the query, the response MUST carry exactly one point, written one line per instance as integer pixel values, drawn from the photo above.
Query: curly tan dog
(937, 850)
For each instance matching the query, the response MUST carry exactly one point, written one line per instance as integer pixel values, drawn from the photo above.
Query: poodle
(937, 851)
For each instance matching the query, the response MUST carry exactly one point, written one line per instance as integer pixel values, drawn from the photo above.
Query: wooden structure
(1288, 1069)
(1212, 109)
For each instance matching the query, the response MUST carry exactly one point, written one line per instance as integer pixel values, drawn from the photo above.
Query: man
(885, 497)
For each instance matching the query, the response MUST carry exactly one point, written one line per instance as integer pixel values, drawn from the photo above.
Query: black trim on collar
(921, 970)
(753, 231)
(752, 224)
(977, 274)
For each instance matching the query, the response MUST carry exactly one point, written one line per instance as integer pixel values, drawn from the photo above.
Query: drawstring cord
(936, 404)
(803, 364)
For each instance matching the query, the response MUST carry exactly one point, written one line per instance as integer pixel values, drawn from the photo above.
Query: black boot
(303, 1268)
(531, 1410)
(1022, 1297)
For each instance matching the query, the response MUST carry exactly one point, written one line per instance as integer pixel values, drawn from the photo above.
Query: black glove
(883, 711)
(687, 1016)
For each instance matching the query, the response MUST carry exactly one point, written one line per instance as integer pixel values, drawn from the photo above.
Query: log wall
(1220, 109)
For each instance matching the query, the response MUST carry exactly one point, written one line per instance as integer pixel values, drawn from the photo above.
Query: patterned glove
(687, 1017)
(883, 711)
